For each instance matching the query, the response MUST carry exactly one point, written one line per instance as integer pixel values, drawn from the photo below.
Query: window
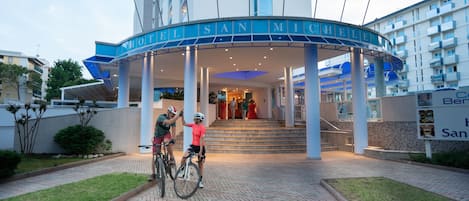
(433, 6)
(10, 60)
(444, 2)
(438, 71)
(435, 38)
(447, 18)
(452, 69)
(449, 34)
(440, 86)
(421, 74)
(400, 33)
(450, 52)
(434, 22)
(261, 8)
(453, 84)
(436, 55)
(400, 47)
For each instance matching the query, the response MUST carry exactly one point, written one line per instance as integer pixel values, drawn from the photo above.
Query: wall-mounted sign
(443, 115)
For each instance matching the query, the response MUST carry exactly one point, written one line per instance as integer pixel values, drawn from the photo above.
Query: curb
(135, 191)
(332, 190)
(460, 170)
(60, 167)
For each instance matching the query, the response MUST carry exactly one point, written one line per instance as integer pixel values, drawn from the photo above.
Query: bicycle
(163, 165)
(187, 178)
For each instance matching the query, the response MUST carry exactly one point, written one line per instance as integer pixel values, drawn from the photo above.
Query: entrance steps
(256, 136)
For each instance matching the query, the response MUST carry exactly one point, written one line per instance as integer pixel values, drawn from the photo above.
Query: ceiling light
(255, 69)
(271, 49)
(161, 70)
(234, 64)
(114, 75)
(259, 63)
(265, 57)
(226, 50)
(237, 69)
(182, 54)
(231, 57)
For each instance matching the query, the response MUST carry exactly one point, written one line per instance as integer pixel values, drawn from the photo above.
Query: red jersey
(198, 131)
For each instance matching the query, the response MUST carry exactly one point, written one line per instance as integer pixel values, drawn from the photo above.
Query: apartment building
(432, 39)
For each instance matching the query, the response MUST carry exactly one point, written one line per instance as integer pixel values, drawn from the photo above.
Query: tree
(12, 74)
(27, 131)
(64, 73)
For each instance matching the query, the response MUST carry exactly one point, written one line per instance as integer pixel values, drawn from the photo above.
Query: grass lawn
(37, 162)
(105, 187)
(380, 188)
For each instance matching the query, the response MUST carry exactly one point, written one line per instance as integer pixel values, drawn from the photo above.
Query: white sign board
(443, 115)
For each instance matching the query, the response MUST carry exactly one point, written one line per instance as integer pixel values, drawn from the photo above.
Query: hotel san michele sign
(188, 33)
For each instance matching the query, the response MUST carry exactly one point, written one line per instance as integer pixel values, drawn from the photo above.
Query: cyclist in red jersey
(198, 142)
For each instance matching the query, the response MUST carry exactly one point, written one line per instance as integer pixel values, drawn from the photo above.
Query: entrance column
(360, 127)
(146, 114)
(379, 77)
(289, 99)
(313, 131)
(190, 92)
(269, 102)
(204, 91)
(124, 85)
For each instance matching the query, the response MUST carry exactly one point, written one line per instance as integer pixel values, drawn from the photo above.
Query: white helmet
(172, 109)
(199, 116)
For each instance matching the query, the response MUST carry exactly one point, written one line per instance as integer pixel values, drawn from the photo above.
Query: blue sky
(62, 29)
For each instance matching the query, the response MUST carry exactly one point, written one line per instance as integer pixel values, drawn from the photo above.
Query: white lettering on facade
(207, 29)
(327, 29)
(278, 27)
(224, 28)
(242, 27)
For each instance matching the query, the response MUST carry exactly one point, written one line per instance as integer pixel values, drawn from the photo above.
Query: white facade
(151, 14)
(431, 37)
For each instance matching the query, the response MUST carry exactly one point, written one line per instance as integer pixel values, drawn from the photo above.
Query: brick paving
(261, 177)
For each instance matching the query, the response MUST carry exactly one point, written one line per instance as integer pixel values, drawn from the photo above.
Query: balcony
(453, 76)
(405, 68)
(403, 83)
(432, 13)
(449, 42)
(388, 28)
(433, 30)
(38, 69)
(448, 25)
(401, 53)
(1, 60)
(446, 8)
(399, 40)
(450, 60)
(399, 24)
(434, 46)
(329, 72)
(437, 79)
(436, 62)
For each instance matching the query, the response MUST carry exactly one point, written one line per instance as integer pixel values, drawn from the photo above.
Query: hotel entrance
(235, 103)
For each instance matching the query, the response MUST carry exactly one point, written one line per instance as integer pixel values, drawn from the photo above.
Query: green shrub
(9, 162)
(80, 139)
(459, 159)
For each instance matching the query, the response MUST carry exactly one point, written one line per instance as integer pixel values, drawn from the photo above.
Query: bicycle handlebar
(172, 141)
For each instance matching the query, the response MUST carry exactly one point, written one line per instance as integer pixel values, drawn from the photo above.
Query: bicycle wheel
(171, 169)
(160, 176)
(187, 182)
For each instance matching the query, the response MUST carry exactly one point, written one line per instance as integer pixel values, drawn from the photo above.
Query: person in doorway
(233, 108)
(245, 108)
(198, 142)
(165, 123)
(252, 110)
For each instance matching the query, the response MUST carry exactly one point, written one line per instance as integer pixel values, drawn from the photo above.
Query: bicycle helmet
(172, 109)
(199, 116)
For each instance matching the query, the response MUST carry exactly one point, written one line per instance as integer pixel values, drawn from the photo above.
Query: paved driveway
(262, 177)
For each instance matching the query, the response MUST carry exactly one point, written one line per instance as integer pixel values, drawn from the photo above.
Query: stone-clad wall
(401, 136)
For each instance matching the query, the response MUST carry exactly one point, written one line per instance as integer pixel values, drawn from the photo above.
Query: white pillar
(289, 98)
(190, 92)
(269, 102)
(62, 94)
(313, 131)
(360, 127)
(204, 91)
(124, 85)
(380, 86)
(146, 115)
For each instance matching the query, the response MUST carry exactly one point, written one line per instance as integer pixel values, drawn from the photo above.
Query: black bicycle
(188, 178)
(163, 165)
